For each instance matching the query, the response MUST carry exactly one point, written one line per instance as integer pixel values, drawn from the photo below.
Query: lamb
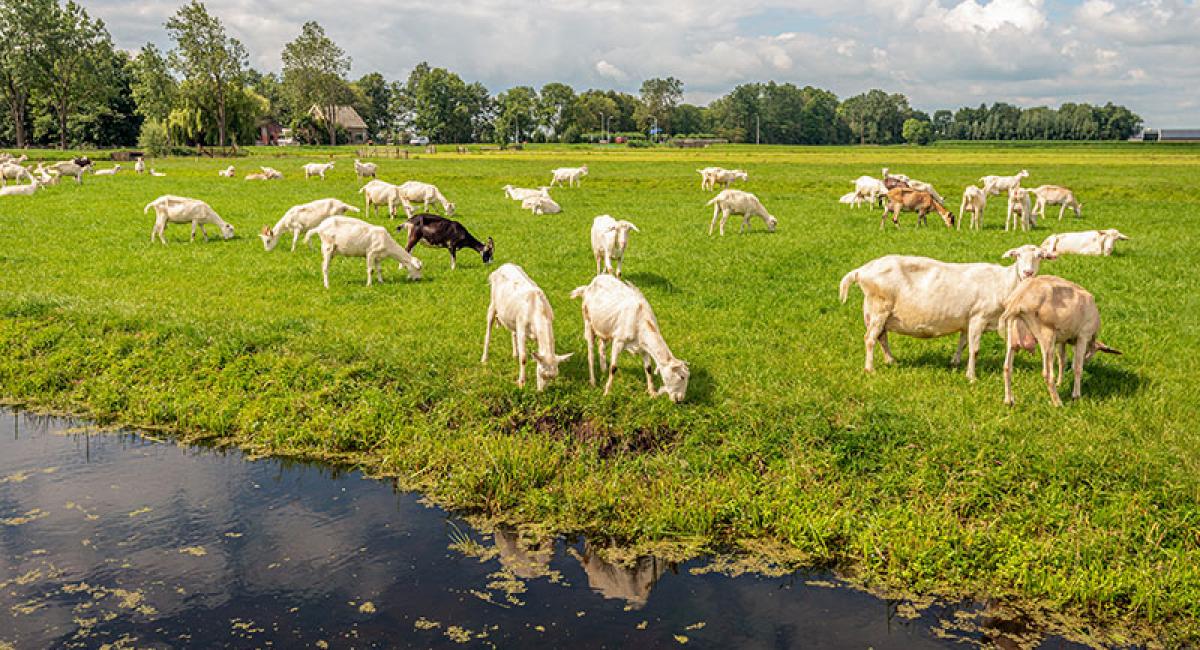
(541, 205)
(228, 172)
(271, 173)
(364, 170)
(1055, 195)
(301, 218)
(178, 209)
(994, 185)
(440, 232)
(521, 306)
(10, 171)
(317, 169)
(423, 193)
(1051, 311)
(974, 201)
(609, 240)
(910, 200)
(521, 193)
(108, 172)
(572, 175)
(69, 168)
(139, 167)
(357, 238)
(21, 190)
(617, 312)
(738, 202)
(1018, 206)
(927, 298)
(377, 193)
(1090, 242)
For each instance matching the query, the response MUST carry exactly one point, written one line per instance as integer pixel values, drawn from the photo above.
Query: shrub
(154, 139)
(917, 132)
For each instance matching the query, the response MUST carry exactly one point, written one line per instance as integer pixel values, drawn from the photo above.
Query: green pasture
(911, 478)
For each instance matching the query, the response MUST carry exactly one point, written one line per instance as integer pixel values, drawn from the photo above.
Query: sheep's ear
(1009, 254)
(633, 227)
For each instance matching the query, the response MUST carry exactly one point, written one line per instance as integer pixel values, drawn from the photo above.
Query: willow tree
(314, 72)
(207, 57)
(75, 61)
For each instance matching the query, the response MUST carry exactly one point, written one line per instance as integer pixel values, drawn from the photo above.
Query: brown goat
(910, 200)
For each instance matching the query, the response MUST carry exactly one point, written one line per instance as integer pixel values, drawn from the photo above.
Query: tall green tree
(75, 61)
(441, 106)
(557, 108)
(374, 102)
(516, 113)
(154, 89)
(314, 73)
(22, 27)
(659, 98)
(207, 57)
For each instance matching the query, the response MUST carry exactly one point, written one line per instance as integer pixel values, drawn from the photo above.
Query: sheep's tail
(578, 291)
(713, 201)
(844, 288)
(152, 204)
(352, 208)
(308, 235)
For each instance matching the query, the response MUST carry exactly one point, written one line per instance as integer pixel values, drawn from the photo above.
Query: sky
(1144, 54)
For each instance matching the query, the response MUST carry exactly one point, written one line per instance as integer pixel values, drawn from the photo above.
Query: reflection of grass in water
(465, 544)
(31, 515)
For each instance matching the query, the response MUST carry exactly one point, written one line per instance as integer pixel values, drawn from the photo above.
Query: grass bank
(910, 479)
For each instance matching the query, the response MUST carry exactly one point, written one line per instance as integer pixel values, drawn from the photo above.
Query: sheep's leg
(874, 331)
(588, 336)
(896, 216)
(453, 259)
(883, 218)
(193, 232)
(887, 349)
(203, 232)
(620, 263)
(1047, 349)
(370, 268)
(487, 332)
(599, 264)
(522, 355)
(724, 218)
(295, 239)
(612, 366)
(974, 334)
(327, 253)
(1061, 209)
(1062, 356)
(1077, 360)
(649, 374)
(962, 344)
(607, 262)
(1009, 350)
(712, 224)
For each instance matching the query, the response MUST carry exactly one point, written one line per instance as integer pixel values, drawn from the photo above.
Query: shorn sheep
(974, 201)
(994, 185)
(928, 298)
(520, 305)
(1049, 311)
(571, 175)
(357, 238)
(738, 202)
(299, 219)
(1055, 195)
(364, 170)
(1018, 208)
(903, 199)
(317, 169)
(610, 237)
(1090, 242)
(178, 209)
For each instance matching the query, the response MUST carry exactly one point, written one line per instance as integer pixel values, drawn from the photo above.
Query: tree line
(64, 83)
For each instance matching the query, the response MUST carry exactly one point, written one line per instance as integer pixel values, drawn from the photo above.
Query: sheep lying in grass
(521, 193)
(21, 190)
(299, 219)
(1090, 242)
(1049, 311)
(357, 238)
(178, 209)
(228, 172)
(541, 205)
(108, 172)
(738, 202)
(520, 305)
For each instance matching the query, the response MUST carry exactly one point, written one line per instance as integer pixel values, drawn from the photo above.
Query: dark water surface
(119, 538)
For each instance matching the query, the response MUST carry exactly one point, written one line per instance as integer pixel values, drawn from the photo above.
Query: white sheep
(357, 238)
(272, 173)
(228, 172)
(994, 185)
(317, 169)
(738, 202)
(108, 172)
(1018, 207)
(364, 170)
(541, 205)
(178, 209)
(866, 189)
(925, 187)
(412, 192)
(68, 168)
(299, 219)
(707, 175)
(1050, 312)
(616, 312)
(928, 298)
(727, 177)
(139, 167)
(376, 193)
(974, 201)
(571, 175)
(11, 171)
(157, 174)
(21, 190)
(522, 193)
(1055, 195)
(1089, 242)
(520, 305)
(610, 237)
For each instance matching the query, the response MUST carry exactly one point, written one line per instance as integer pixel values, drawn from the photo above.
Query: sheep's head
(1023, 174)
(949, 219)
(226, 231)
(269, 238)
(547, 367)
(489, 249)
(450, 207)
(414, 268)
(771, 223)
(1028, 259)
(675, 380)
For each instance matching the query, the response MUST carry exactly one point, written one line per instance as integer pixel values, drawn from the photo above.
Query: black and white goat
(441, 232)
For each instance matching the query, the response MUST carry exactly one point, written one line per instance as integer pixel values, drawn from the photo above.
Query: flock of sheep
(915, 296)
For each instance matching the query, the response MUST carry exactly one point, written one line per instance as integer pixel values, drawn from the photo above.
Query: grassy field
(911, 479)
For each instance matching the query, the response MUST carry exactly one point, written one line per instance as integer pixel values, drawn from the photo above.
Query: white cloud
(610, 71)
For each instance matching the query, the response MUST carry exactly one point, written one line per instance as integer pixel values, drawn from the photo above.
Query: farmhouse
(1168, 135)
(348, 119)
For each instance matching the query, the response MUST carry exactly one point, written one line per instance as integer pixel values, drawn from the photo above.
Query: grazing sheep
(928, 298)
(541, 205)
(317, 169)
(10, 171)
(926, 187)
(44, 176)
(139, 167)
(178, 209)
(441, 232)
(974, 201)
(706, 177)
(1055, 195)
(866, 189)
(1018, 207)
(21, 190)
(727, 177)
(357, 238)
(617, 312)
(69, 168)
(572, 175)
(609, 240)
(417, 192)
(228, 172)
(994, 185)
(1051, 311)
(108, 172)
(1090, 242)
(521, 306)
(521, 193)
(910, 200)
(738, 202)
(300, 219)
(364, 170)
(376, 193)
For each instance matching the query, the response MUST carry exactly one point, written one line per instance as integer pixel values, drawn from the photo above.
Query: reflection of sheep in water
(524, 560)
(631, 584)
